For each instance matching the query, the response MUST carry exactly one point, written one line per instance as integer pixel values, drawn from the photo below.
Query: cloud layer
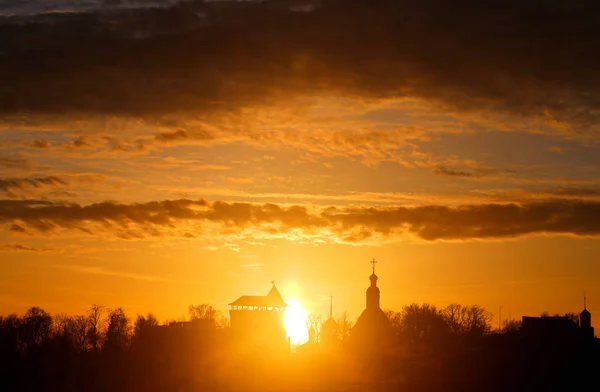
(519, 57)
(190, 218)
(11, 185)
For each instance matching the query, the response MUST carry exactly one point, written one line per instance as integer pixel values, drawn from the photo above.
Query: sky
(157, 154)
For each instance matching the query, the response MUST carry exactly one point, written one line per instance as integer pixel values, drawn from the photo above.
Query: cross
(373, 262)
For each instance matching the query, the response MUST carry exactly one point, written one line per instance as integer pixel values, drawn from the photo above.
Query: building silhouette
(257, 322)
(559, 327)
(372, 329)
(585, 321)
(330, 332)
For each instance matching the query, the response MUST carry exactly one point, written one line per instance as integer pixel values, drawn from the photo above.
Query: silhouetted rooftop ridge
(272, 299)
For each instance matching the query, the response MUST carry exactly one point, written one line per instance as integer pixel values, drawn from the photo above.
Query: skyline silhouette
(162, 161)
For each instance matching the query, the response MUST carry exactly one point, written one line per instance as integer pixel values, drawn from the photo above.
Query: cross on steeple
(373, 262)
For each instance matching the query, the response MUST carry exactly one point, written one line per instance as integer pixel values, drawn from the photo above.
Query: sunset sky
(157, 154)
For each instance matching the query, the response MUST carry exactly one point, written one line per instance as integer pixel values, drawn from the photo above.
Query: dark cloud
(518, 56)
(182, 134)
(452, 172)
(13, 163)
(80, 141)
(21, 248)
(40, 144)
(434, 222)
(10, 185)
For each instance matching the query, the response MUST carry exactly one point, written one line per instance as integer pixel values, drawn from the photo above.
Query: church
(372, 329)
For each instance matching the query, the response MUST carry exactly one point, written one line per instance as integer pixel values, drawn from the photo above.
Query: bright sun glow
(295, 322)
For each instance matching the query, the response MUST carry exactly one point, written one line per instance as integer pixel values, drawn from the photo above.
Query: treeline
(107, 350)
(103, 349)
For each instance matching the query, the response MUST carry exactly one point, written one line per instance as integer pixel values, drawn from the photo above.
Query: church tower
(372, 331)
(585, 320)
(373, 294)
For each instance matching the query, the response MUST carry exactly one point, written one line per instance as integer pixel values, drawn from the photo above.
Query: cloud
(102, 271)
(452, 172)
(343, 224)
(10, 185)
(40, 144)
(181, 135)
(21, 248)
(199, 59)
(13, 163)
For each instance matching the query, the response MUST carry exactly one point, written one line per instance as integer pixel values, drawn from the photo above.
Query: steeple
(330, 307)
(585, 317)
(373, 291)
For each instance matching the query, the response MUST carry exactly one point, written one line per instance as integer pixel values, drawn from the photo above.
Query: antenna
(330, 307)
(584, 300)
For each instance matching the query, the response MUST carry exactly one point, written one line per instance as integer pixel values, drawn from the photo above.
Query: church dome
(373, 278)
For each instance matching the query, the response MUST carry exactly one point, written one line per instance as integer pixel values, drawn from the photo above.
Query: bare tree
(511, 326)
(95, 326)
(395, 319)
(314, 321)
(422, 325)
(344, 326)
(472, 319)
(202, 312)
(477, 320)
(81, 327)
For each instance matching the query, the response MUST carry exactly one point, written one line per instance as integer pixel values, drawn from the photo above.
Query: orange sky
(171, 164)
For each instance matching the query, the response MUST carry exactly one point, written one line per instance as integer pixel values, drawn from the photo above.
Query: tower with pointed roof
(330, 332)
(585, 320)
(257, 321)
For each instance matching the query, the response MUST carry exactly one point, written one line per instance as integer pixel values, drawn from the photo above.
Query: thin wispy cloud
(95, 270)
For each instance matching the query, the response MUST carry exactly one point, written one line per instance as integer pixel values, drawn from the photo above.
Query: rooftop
(272, 299)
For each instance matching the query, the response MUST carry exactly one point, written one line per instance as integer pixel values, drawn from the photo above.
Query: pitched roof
(273, 299)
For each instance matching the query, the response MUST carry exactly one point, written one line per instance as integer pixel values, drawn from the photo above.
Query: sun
(295, 322)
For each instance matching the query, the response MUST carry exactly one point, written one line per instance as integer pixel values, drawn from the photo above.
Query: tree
(118, 330)
(477, 320)
(94, 331)
(10, 327)
(314, 321)
(202, 312)
(80, 333)
(394, 318)
(573, 317)
(422, 325)
(472, 319)
(143, 325)
(510, 326)
(63, 328)
(35, 328)
(344, 326)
